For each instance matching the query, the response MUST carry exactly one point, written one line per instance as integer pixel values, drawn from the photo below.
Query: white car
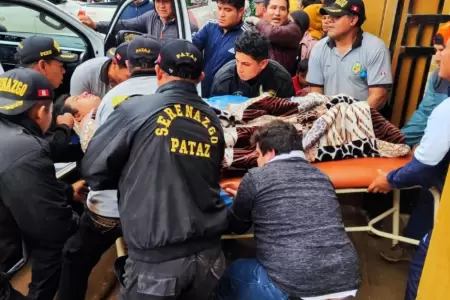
(23, 18)
(199, 13)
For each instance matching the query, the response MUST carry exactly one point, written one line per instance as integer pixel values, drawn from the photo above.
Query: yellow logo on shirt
(118, 99)
(357, 68)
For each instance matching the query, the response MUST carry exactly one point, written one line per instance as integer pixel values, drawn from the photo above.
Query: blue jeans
(416, 268)
(246, 279)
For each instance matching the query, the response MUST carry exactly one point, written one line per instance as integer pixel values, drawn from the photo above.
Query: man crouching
(302, 248)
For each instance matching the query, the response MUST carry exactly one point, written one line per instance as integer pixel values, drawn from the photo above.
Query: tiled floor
(381, 280)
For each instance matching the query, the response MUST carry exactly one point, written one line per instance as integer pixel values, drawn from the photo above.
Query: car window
(201, 11)
(20, 21)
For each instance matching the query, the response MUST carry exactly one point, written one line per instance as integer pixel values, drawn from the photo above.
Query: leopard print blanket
(332, 127)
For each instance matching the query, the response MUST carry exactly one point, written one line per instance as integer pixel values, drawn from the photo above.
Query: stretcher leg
(120, 247)
(396, 216)
(436, 198)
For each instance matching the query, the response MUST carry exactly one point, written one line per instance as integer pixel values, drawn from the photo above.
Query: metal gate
(411, 48)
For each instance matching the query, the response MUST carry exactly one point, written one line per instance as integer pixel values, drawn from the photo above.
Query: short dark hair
(59, 104)
(278, 136)
(60, 108)
(254, 44)
(302, 66)
(238, 4)
(438, 39)
(306, 3)
(267, 2)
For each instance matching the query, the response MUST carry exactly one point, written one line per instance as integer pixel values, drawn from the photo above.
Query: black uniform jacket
(163, 153)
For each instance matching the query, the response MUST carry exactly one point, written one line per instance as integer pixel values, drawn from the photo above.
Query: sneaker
(398, 253)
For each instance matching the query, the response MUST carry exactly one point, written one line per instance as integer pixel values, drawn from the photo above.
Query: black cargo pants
(188, 278)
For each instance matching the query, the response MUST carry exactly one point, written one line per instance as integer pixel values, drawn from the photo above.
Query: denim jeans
(246, 279)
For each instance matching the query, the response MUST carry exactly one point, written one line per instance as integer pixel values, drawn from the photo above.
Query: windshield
(20, 19)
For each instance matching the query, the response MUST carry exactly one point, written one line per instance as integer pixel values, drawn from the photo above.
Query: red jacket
(300, 90)
(284, 42)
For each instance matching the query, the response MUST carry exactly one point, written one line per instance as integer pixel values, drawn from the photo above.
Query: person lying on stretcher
(302, 248)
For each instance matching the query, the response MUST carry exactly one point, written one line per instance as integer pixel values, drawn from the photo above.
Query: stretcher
(351, 176)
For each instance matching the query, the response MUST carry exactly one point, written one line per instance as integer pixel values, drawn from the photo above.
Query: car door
(182, 16)
(20, 19)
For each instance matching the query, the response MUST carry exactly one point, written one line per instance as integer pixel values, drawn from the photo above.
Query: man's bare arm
(377, 97)
(317, 89)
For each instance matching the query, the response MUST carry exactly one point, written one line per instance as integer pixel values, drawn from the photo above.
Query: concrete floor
(381, 280)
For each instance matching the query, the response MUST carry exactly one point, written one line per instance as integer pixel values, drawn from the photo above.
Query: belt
(103, 221)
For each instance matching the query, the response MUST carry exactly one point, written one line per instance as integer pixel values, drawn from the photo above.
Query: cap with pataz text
(143, 52)
(119, 54)
(346, 7)
(181, 58)
(21, 88)
(34, 48)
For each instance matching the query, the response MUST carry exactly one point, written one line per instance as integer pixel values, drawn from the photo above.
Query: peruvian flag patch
(43, 93)
(354, 8)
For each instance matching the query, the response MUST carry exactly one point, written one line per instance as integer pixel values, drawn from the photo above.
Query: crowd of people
(150, 153)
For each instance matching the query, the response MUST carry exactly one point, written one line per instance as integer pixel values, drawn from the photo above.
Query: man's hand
(80, 190)
(66, 119)
(380, 184)
(86, 20)
(252, 20)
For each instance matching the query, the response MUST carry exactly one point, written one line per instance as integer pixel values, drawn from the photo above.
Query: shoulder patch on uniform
(119, 99)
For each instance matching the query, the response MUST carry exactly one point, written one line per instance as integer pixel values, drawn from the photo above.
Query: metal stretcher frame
(394, 211)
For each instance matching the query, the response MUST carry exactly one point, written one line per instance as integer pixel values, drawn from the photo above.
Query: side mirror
(126, 36)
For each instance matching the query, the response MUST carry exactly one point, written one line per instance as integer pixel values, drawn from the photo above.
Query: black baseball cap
(21, 88)
(346, 7)
(119, 54)
(142, 50)
(34, 48)
(181, 58)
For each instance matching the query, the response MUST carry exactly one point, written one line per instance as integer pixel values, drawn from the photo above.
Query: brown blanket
(333, 128)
